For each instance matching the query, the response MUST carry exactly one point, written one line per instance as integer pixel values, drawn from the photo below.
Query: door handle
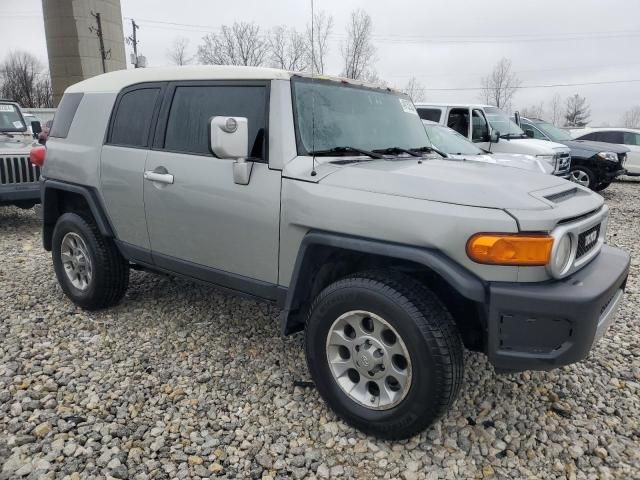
(158, 177)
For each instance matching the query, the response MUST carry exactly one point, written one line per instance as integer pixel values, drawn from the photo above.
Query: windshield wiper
(345, 151)
(7, 134)
(392, 150)
(429, 150)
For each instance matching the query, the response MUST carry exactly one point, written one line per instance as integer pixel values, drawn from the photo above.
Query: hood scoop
(562, 196)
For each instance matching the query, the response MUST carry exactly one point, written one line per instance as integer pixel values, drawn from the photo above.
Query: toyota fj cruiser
(321, 195)
(19, 179)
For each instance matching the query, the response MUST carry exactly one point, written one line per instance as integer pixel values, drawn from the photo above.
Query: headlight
(562, 254)
(612, 157)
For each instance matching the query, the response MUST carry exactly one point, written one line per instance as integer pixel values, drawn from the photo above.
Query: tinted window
(535, 133)
(631, 138)
(193, 107)
(432, 114)
(610, 137)
(459, 121)
(64, 115)
(594, 136)
(133, 118)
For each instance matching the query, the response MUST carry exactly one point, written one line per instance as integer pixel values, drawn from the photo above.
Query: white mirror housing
(229, 137)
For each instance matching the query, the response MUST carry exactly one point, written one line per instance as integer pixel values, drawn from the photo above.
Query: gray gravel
(181, 381)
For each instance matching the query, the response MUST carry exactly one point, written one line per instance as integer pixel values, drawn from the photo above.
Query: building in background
(73, 29)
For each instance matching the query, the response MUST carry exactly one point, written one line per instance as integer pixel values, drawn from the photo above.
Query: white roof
(605, 129)
(467, 105)
(116, 81)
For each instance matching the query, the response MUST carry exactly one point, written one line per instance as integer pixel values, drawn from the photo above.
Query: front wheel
(89, 267)
(583, 176)
(384, 353)
(601, 186)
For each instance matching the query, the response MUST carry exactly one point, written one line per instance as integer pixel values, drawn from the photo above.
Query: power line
(522, 87)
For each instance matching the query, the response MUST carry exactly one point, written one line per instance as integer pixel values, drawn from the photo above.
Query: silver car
(324, 197)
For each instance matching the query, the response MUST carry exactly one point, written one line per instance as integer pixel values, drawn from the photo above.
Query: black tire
(428, 331)
(601, 186)
(110, 272)
(583, 171)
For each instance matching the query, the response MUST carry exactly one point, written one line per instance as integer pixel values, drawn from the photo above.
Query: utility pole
(134, 41)
(98, 31)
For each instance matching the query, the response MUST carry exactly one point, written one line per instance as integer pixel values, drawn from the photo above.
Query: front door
(200, 222)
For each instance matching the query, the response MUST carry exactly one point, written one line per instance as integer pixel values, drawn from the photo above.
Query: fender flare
(49, 191)
(462, 280)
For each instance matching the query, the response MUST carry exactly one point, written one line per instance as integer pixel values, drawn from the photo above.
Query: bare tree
(358, 52)
(177, 53)
(534, 111)
(414, 89)
(289, 49)
(555, 114)
(318, 41)
(499, 87)
(577, 111)
(238, 44)
(631, 118)
(23, 79)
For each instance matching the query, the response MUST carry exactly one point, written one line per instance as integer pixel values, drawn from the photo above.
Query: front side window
(479, 127)
(331, 114)
(631, 138)
(132, 122)
(501, 122)
(593, 136)
(432, 114)
(532, 132)
(193, 107)
(10, 119)
(450, 141)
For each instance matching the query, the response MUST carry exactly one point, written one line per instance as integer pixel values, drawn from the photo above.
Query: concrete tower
(73, 44)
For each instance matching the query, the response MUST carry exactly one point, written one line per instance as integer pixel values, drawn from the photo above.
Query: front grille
(590, 236)
(608, 302)
(564, 163)
(18, 170)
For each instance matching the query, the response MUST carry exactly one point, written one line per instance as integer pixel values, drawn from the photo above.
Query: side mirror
(494, 137)
(36, 128)
(529, 133)
(229, 138)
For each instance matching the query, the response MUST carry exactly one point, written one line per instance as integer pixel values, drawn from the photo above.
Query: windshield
(450, 141)
(554, 133)
(360, 117)
(500, 122)
(11, 119)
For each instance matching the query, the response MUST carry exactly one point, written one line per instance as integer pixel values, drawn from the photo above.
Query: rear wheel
(384, 353)
(89, 267)
(583, 176)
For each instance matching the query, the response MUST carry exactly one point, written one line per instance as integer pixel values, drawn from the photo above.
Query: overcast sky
(447, 44)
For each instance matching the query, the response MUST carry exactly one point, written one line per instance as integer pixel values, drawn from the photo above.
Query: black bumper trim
(16, 193)
(540, 326)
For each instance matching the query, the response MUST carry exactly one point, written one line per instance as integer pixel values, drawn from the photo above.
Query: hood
(19, 144)
(531, 146)
(459, 182)
(513, 160)
(581, 148)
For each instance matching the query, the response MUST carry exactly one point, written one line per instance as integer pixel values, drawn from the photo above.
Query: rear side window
(610, 137)
(593, 136)
(64, 115)
(193, 106)
(133, 117)
(631, 138)
(432, 114)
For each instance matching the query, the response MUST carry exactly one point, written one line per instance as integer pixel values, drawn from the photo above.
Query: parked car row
(393, 244)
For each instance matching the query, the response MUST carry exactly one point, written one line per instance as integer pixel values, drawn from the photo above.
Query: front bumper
(612, 174)
(19, 193)
(540, 326)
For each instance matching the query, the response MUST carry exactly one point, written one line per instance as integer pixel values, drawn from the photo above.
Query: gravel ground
(182, 381)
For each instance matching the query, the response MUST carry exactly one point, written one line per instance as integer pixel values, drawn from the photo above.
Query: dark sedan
(593, 164)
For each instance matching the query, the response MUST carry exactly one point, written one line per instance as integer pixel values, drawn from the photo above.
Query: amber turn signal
(510, 249)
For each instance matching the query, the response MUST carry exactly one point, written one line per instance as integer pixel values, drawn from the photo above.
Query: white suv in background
(629, 137)
(493, 130)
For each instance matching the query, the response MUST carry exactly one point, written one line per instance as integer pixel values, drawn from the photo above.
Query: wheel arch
(61, 197)
(325, 257)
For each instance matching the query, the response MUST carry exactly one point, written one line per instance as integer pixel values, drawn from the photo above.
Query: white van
(493, 130)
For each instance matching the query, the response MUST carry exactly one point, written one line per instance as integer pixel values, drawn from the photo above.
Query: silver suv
(322, 196)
